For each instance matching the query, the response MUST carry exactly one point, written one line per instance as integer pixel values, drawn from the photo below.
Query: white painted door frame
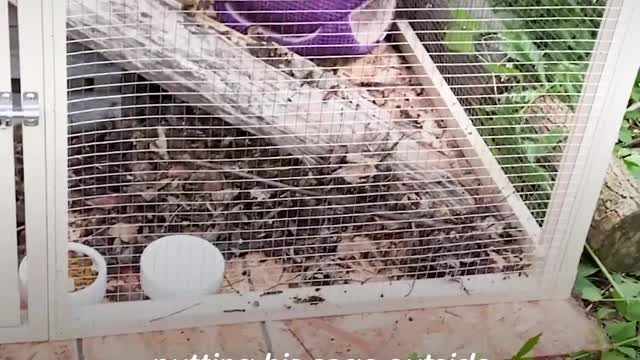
(9, 296)
(31, 322)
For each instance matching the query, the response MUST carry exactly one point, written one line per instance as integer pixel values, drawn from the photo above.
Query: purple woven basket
(313, 28)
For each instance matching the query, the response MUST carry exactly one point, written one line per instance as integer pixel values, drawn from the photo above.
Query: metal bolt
(29, 95)
(30, 122)
(6, 95)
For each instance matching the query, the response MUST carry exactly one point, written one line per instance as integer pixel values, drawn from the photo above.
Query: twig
(452, 313)
(624, 342)
(634, 107)
(413, 284)
(171, 217)
(283, 283)
(300, 342)
(392, 148)
(175, 312)
(231, 284)
(634, 143)
(246, 175)
(606, 272)
(281, 185)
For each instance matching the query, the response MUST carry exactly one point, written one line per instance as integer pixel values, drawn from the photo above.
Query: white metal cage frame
(24, 299)
(332, 184)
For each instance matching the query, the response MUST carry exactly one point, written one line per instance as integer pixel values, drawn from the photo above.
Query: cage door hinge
(28, 115)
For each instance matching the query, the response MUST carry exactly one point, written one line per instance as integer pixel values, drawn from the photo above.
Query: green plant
(528, 346)
(542, 51)
(614, 301)
(629, 137)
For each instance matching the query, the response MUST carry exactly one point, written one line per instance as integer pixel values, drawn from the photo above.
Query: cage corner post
(601, 108)
(55, 91)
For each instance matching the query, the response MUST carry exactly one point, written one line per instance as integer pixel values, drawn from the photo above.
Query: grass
(613, 299)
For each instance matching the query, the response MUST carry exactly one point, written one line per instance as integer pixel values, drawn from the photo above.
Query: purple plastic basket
(312, 28)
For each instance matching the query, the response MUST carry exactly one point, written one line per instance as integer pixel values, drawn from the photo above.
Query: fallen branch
(300, 107)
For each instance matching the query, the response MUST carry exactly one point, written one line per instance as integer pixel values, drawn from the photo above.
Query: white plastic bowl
(92, 294)
(181, 266)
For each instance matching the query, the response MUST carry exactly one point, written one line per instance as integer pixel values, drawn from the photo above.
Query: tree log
(620, 246)
(619, 200)
(261, 88)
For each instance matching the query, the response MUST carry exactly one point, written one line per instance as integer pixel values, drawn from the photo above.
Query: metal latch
(29, 115)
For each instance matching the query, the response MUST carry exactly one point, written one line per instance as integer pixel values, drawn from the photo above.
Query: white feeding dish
(92, 294)
(181, 266)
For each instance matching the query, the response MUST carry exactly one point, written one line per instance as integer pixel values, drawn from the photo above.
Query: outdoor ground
(491, 331)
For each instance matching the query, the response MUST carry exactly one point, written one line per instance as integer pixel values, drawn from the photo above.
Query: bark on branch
(261, 88)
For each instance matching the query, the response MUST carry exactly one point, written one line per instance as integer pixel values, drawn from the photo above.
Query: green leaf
(621, 331)
(625, 136)
(603, 312)
(633, 159)
(634, 170)
(629, 309)
(461, 31)
(632, 162)
(519, 46)
(630, 287)
(502, 69)
(614, 355)
(538, 176)
(545, 144)
(624, 152)
(635, 93)
(632, 115)
(527, 347)
(585, 269)
(587, 290)
(629, 351)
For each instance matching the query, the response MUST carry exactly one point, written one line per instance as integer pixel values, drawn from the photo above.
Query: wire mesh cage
(355, 149)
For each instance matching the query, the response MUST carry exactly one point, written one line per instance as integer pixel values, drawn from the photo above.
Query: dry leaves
(160, 145)
(498, 260)
(255, 272)
(355, 246)
(124, 286)
(358, 173)
(236, 278)
(382, 66)
(124, 232)
(265, 272)
(106, 202)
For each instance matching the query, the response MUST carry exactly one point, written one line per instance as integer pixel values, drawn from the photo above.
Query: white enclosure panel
(9, 294)
(144, 116)
(115, 319)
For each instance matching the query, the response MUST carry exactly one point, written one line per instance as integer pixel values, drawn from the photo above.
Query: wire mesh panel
(324, 145)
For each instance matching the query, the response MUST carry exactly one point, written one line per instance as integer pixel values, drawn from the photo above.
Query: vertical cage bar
(9, 296)
(613, 70)
(56, 129)
(31, 80)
